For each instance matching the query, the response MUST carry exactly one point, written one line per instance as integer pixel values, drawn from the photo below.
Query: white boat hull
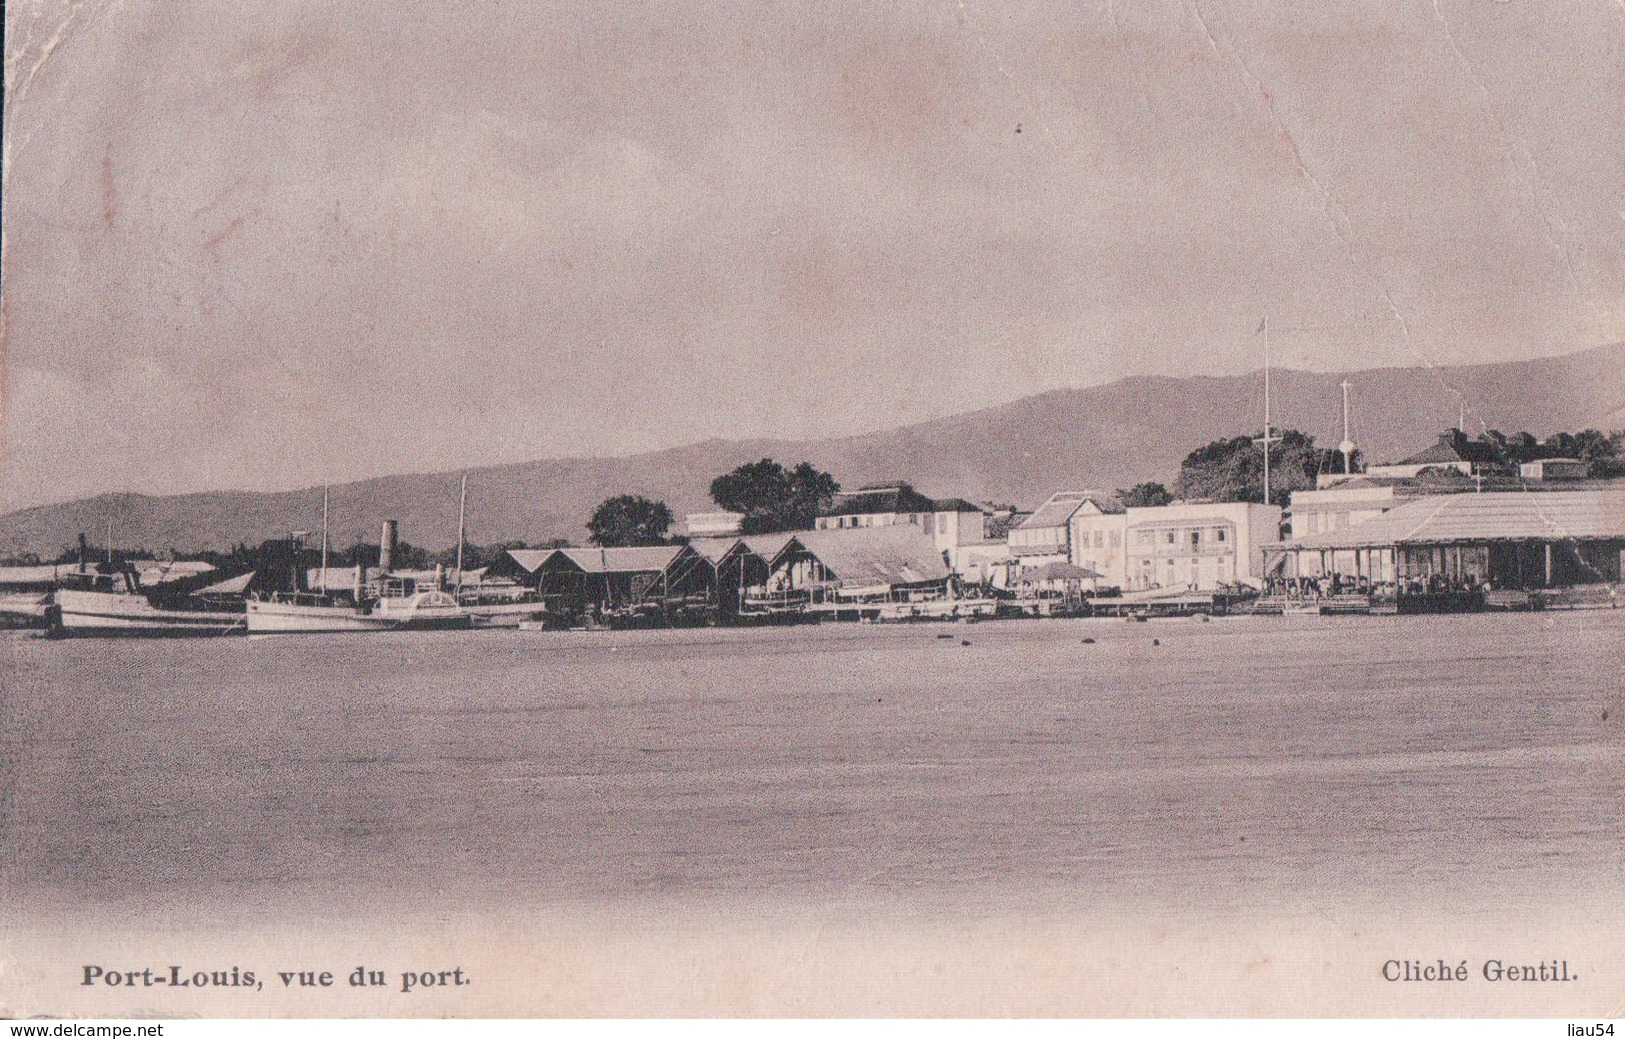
(287, 618)
(116, 613)
(506, 615)
(281, 618)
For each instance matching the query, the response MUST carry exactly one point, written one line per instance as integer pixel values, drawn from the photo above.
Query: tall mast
(462, 512)
(109, 542)
(324, 537)
(1347, 446)
(1269, 436)
(1266, 409)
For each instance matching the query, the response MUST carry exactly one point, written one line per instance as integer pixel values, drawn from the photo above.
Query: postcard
(932, 509)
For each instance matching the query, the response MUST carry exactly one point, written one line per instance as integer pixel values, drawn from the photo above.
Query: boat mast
(462, 512)
(324, 537)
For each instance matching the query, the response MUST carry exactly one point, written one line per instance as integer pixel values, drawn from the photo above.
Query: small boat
(390, 603)
(400, 607)
(114, 604)
(516, 614)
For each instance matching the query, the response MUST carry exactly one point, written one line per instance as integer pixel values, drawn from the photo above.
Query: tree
(772, 498)
(1600, 451)
(629, 519)
(1590, 444)
(1144, 495)
(1233, 470)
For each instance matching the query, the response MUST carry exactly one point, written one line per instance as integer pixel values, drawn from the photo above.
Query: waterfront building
(1353, 500)
(742, 565)
(884, 562)
(1099, 540)
(951, 523)
(1046, 535)
(1199, 545)
(573, 580)
(1499, 540)
(990, 563)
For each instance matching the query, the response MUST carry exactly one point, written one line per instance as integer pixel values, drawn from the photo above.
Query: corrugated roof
(1052, 513)
(1062, 505)
(768, 546)
(652, 559)
(530, 558)
(1492, 516)
(715, 549)
(897, 554)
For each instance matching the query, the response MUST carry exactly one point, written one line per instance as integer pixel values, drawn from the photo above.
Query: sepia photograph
(934, 509)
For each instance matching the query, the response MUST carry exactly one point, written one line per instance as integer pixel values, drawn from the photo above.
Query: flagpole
(1266, 409)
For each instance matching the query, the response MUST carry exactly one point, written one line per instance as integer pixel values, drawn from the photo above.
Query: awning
(1058, 572)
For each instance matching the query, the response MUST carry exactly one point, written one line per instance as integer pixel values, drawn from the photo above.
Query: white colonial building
(1198, 545)
(952, 523)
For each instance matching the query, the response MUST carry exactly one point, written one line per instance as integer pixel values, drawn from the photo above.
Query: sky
(260, 245)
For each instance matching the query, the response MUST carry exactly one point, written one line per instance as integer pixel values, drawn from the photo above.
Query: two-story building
(1199, 545)
(952, 523)
(1046, 535)
(1346, 503)
(1099, 539)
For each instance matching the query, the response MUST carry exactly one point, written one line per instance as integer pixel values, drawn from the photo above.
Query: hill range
(1103, 437)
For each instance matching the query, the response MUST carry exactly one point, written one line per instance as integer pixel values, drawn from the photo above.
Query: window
(1218, 535)
(1171, 537)
(942, 523)
(1143, 537)
(1196, 539)
(1100, 539)
(1117, 539)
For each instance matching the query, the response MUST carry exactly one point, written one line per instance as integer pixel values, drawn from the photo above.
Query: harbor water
(938, 775)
